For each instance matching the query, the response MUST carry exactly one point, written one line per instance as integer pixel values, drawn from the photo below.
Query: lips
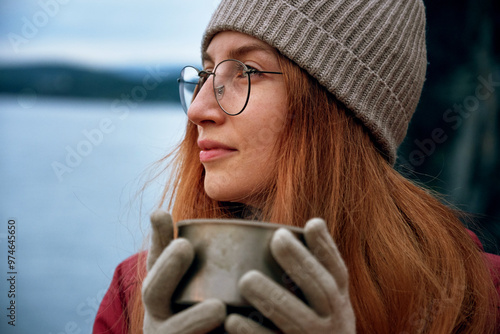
(213, 150)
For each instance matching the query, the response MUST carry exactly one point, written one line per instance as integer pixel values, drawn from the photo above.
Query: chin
(232, 190)
(225, 196)
(218, 192)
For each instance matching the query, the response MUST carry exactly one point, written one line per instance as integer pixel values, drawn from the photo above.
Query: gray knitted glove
(167, 262)
(320, 273)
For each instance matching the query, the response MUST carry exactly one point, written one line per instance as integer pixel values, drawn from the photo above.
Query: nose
(204, 109)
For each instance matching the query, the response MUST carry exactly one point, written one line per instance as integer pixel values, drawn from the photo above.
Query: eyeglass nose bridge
(204, 75)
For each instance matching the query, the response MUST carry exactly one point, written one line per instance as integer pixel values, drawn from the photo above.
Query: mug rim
(237, 222)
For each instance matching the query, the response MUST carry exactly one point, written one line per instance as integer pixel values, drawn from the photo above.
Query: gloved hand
(320, 273)
(166, 263)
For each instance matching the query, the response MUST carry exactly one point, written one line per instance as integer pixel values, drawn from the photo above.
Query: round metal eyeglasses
(231, 85)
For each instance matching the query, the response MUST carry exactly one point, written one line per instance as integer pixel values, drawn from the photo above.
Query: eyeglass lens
(188, 85)
(231, 85)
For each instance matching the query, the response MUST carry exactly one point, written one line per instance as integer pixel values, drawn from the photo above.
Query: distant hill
(66, 80)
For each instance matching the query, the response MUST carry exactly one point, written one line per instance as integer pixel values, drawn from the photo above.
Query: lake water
(70, 171)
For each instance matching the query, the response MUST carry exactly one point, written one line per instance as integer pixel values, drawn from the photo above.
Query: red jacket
(112, 316)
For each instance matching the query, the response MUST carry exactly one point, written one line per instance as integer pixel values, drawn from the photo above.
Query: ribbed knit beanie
(370, 54)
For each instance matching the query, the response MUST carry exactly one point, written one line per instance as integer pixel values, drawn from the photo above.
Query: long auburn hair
(413, 267)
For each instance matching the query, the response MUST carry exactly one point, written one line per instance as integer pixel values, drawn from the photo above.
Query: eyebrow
(242, 51)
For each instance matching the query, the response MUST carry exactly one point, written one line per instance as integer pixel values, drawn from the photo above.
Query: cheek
(267, 134)
(261, 135)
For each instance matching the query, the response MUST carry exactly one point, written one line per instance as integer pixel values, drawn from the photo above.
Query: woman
(298, 114)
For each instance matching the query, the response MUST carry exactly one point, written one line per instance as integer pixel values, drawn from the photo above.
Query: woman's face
(238, 152)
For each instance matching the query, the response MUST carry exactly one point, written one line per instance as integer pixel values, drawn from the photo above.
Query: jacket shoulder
(113, 314)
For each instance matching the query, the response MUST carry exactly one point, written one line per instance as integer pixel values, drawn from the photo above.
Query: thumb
(162, 234)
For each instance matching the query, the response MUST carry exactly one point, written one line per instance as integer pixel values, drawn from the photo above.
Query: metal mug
(224, 251)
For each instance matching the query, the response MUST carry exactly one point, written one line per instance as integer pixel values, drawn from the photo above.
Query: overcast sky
(103, 32)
